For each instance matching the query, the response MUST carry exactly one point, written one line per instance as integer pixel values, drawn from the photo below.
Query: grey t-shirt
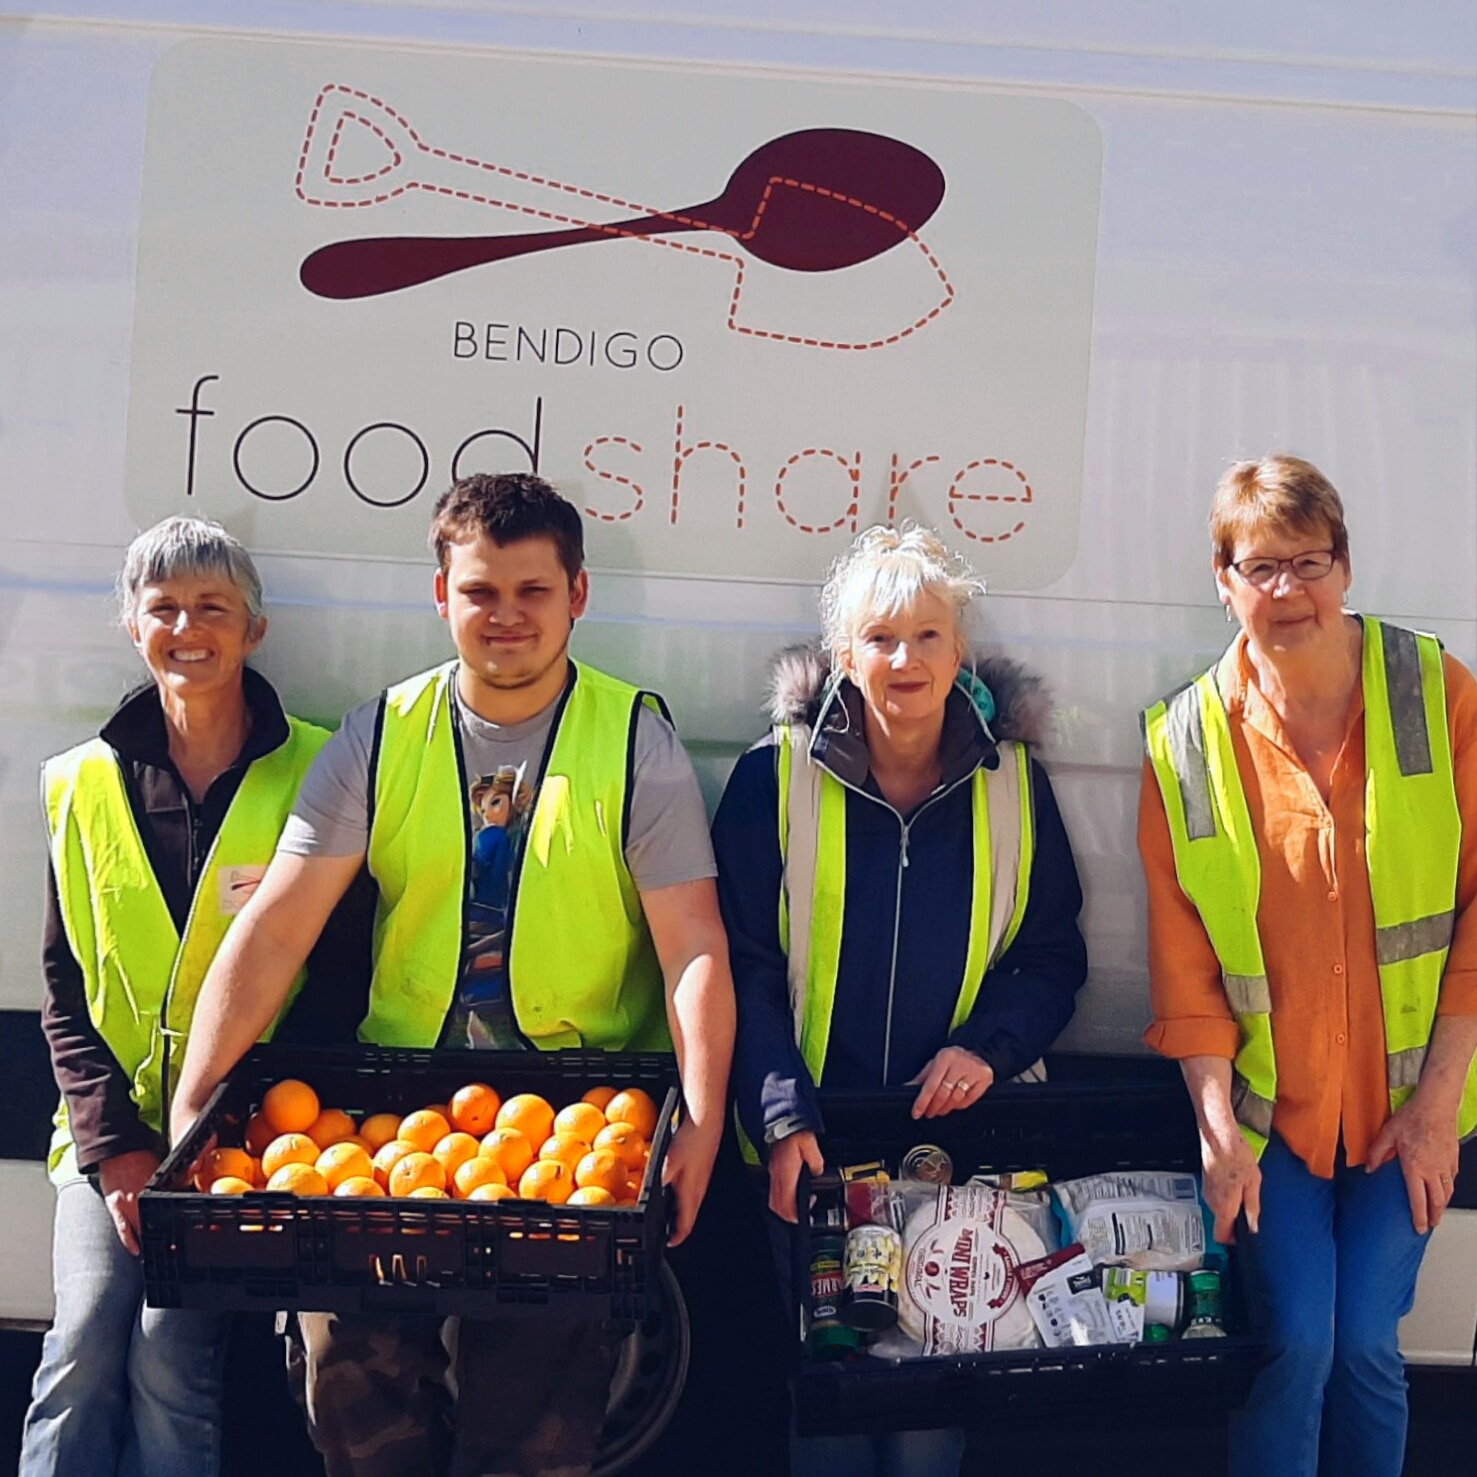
(666, 843)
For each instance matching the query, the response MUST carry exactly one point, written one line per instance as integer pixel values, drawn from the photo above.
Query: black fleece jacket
(177, 834)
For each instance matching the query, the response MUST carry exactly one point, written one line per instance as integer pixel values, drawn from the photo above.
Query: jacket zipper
(904, 827)
(193, 811)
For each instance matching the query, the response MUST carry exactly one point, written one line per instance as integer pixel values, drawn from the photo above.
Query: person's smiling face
(904, 663)
(194, 633)
(510, 608)
(1284, 613)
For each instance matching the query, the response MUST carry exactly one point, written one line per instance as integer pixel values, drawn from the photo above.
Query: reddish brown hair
(1282, 492)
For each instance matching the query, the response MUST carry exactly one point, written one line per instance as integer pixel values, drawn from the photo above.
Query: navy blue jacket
(884, 1029)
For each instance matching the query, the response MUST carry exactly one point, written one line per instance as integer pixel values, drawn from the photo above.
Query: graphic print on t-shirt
(501, 804)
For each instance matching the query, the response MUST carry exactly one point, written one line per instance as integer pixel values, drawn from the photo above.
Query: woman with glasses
(1313, 959)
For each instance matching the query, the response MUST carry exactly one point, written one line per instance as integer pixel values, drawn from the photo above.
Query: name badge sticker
(236, 885)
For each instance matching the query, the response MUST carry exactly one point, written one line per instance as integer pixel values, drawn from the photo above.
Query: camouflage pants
(416, 1397)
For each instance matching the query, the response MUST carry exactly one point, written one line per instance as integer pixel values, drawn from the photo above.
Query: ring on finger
(960, 1085)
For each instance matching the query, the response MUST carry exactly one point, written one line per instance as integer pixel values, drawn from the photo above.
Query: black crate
(479, 1258)
(1068, 1130)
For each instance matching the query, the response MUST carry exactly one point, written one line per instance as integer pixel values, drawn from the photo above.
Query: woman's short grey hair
(185, 547)
(884, 571)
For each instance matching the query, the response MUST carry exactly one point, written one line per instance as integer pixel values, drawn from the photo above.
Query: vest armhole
(629, 788)
(374, 765)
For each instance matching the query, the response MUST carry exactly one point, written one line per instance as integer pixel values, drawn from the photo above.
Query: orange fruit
(259, 1133)
(583, 1120)
(444, 1109)
(597, 1097)
(564, 1147)
(635, 1107)
(387, 1156)
(427, 1192)
(230, 1184)
(492, 1191)
(340, 1162)
(358, 1185)
(624, 1139)
(474, 1108)
(223, 1163)
(378, 1129)
(529, 1114)
(331, 1126)
(602, 1169)
(479, 1170)
(416, 1171)
(290, 1106)
(454, 1150)
(288, 1148)
(546, 1179)
(298, 1179)
(424, 1128)
(591, 1195)
(509, 1150)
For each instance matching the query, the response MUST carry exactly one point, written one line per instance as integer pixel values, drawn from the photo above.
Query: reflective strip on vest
(1414, 842)
(812, 905)
(141, 979)
(1189, 742)
(583, 971)
(1413, 839)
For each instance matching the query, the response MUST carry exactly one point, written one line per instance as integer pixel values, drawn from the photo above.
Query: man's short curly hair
(508, 507)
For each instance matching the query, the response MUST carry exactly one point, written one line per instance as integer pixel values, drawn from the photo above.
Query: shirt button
(1340, 1038)
(1338, 969)
(1333, 895)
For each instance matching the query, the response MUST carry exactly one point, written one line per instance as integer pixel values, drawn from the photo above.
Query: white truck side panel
(1286, 258)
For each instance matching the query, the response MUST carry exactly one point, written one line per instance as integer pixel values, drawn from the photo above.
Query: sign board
(735, 316)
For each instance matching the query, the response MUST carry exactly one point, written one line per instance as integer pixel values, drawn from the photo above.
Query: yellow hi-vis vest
(1413, 836)
(142, 978)
(581, 965)
(812, 903)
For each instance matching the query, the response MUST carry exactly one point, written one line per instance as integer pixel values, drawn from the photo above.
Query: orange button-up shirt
(1316, 921)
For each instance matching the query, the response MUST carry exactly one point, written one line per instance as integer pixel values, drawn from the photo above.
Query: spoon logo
(819, 200)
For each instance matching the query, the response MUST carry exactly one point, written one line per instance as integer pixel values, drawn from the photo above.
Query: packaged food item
(873, 1200)
(961, 1291)
(1068, 1306)
(1161, 1295)
(829, 1336)
(873, 1268)
(1020, 1179)
(928, 1163)
(1205, 1306)
(1147, 1220)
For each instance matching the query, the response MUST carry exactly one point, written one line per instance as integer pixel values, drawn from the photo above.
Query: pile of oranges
(475, 1147)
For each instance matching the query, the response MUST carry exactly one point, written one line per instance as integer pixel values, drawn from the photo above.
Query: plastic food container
(480, 1258)
(1067, 1129)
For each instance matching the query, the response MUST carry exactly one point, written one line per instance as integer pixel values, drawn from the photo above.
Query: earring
(1227, 609)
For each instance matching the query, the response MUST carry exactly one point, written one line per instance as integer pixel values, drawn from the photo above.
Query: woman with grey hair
(900, 896)
(159, 829)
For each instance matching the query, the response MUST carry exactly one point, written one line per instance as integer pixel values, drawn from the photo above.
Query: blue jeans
(1333, 1269)
(121, 1388)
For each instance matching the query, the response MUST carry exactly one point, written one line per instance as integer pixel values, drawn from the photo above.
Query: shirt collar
(137, 732)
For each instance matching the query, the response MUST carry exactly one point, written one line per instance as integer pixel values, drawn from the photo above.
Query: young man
(394, 789)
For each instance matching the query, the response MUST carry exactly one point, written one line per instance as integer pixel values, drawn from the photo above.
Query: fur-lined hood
(991, 702)
(1022, 706)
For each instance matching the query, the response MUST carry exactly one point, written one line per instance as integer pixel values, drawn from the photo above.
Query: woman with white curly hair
(899, 892)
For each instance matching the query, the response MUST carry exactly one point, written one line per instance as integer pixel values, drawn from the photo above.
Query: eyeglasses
(1262, 571)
